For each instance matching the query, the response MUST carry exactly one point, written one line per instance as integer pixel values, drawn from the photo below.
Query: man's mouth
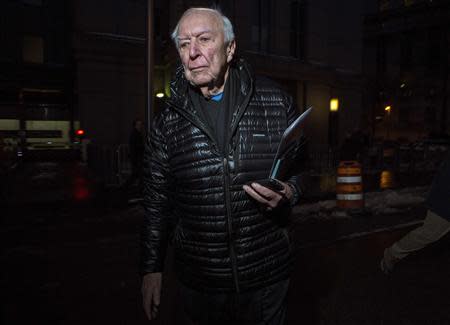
(194, 69)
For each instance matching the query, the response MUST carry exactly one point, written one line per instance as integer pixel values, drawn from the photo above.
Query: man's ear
(230, 50)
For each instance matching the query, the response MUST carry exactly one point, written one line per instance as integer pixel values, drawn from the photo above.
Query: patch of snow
(382, 202)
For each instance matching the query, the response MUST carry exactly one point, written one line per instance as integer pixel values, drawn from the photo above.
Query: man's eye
(204, 39)
(184, 45)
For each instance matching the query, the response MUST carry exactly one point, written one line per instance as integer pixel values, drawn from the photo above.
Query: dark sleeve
(296, 182)
(157, 212)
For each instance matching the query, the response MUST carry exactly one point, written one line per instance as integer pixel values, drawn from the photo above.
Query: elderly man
(219, 133)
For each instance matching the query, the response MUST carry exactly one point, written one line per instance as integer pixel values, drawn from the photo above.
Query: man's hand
(268, 198)
(151, 294)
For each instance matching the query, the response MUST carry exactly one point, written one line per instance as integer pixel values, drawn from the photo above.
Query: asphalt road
(77, 264)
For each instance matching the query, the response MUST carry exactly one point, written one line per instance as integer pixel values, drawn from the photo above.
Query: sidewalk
(84, 266)
(321, 222)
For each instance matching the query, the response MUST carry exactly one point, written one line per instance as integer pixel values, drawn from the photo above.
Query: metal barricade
(111, 164)
(101, 160)
(123, 162)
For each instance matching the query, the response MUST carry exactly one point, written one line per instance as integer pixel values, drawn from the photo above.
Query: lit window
(33, 49)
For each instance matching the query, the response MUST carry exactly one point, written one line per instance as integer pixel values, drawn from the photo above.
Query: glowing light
(334, 104)
(387, 109)
(81, 189)
(387, 180)
(79, 132)
(160, 95)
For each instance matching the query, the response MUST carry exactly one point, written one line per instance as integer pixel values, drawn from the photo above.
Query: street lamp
(334, 104)
(333, 122)
(387, 109)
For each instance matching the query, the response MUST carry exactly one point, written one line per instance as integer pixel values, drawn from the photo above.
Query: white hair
(227, 26)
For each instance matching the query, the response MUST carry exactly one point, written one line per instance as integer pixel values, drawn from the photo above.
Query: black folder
(290, 150)
(291, 146)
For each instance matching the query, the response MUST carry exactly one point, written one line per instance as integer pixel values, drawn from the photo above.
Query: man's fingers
(147, 308)
(263, 195)
(250, 191)
(147, 302)
(151, 305)
(267, 192)
(154, 314)
(151, 293)
(155, 310)
(156, 296)
(155, 303)
(151, 301)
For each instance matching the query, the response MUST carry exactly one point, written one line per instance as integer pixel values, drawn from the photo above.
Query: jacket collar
(179, 101)
(179, 86)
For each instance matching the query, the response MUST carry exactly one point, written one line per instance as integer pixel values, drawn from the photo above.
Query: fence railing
(102, 161)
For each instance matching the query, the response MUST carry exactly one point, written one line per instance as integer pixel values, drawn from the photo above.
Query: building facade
(312, 48)
(36, 75)
(406, 59)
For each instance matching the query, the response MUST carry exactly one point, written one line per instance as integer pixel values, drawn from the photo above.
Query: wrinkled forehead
(200, 21)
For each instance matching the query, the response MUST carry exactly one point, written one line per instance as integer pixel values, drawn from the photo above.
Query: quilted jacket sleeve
(296, 181)
(155, 229)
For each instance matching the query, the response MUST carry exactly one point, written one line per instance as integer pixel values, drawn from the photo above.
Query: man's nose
(194, 50)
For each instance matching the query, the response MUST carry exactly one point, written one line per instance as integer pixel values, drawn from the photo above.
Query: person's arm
(155, 229)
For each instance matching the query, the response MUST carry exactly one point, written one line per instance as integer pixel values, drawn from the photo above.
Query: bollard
(349, 186)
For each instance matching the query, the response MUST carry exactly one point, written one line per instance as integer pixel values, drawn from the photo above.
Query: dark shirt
(216, 114)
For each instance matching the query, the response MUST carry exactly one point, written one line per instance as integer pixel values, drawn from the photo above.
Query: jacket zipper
(205, 129)
(229, 224)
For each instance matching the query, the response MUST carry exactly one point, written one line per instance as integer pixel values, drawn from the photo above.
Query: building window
(261, 26)
(33, 49)
(297, 33)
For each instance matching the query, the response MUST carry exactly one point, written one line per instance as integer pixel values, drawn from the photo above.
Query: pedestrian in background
(217, 136)
(435, 226)
(136, 155)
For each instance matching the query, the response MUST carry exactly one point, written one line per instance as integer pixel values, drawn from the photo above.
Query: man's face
(202, 49)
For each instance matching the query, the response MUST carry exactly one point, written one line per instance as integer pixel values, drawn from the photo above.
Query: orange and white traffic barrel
(349, 186)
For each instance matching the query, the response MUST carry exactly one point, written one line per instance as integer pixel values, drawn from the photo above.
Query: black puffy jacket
(193, 193)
